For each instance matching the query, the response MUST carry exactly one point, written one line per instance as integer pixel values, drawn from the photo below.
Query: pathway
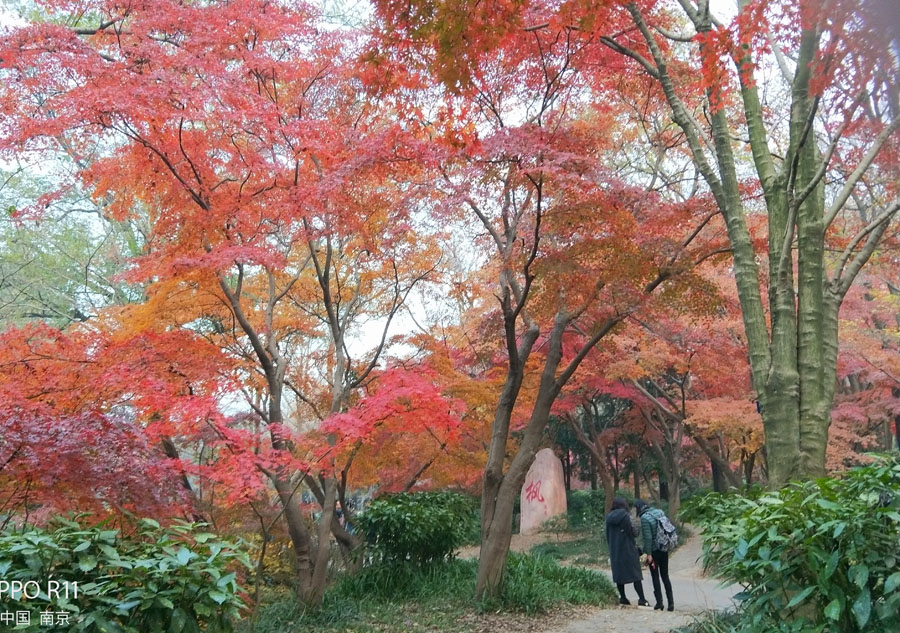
(694, 593)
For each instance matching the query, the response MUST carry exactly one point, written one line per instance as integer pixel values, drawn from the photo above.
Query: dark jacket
(623, 554)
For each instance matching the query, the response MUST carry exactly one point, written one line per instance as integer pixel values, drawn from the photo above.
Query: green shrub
(814, 556)
(419, 528)
(533, 584)
(586, 508)
(451, 579)
(160, 579)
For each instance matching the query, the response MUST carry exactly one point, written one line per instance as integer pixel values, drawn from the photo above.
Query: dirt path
(521, 543)
(693, 593)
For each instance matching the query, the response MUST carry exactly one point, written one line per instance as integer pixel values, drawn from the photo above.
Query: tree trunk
(897, 433)
(496, 529)
(300, 538)
(675, 492)
(497, 496)
(496, 536)
(793, 361)
(310, 572)
(598, 451)
(609, 488)
(501, 490)
(748, 469)
(637, 469)
(654, 495)
(721, 467)
(718, 478)
(348, 543)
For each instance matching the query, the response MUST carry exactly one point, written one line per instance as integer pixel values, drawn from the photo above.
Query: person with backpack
(659, 538)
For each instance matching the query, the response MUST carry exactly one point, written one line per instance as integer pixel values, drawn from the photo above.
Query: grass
(438, 598)
(588, 550)
(713, 622)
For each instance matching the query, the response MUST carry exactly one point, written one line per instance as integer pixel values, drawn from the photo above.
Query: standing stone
(543, 493)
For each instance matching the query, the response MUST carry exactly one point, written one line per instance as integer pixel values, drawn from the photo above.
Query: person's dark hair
(639, 505)
(619, 504)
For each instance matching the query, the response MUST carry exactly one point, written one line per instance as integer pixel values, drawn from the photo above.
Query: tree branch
(857, 173)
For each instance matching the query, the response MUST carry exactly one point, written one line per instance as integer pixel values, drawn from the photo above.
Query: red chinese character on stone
(533, 491)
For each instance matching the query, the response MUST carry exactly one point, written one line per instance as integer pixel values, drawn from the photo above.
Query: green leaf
(110, 552)
(218, 597)
(885, 610)
(831, 565)
(859, 575)
(179, 619)
(833, 610)
(81, 546)
(87, 562)
(829, 505)
(862, 608)
(184, 555)
(741, 552)
(800, 597)
(224, 580)
(892, 582)
(203, 610)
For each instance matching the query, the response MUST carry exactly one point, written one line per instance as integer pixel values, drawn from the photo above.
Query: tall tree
(282, 205)
(562, 235)
(812, 169)
(822, 180)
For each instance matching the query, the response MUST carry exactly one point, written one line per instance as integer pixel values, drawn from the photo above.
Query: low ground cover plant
(176, 579)
(433, 597)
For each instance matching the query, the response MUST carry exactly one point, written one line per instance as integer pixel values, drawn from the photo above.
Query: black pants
(660, 568)
(638, 587)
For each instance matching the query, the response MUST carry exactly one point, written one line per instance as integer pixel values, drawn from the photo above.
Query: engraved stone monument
(543, 493)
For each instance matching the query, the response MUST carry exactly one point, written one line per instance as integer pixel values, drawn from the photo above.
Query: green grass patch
(534, 584)
(435, 598)
(586, 550)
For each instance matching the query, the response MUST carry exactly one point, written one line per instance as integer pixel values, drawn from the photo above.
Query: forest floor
(694, 593)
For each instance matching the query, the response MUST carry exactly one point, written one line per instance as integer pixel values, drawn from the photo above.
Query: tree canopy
(282, 263)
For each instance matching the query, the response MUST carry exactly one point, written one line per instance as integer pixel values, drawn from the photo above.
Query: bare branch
(864, 164)
(874, 230)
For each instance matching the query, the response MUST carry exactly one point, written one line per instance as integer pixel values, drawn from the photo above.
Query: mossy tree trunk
(793, 355)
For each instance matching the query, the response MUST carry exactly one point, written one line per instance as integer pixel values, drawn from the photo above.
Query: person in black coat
(623, 553)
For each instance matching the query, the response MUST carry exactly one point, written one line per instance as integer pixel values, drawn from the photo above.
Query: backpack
(666, 537)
